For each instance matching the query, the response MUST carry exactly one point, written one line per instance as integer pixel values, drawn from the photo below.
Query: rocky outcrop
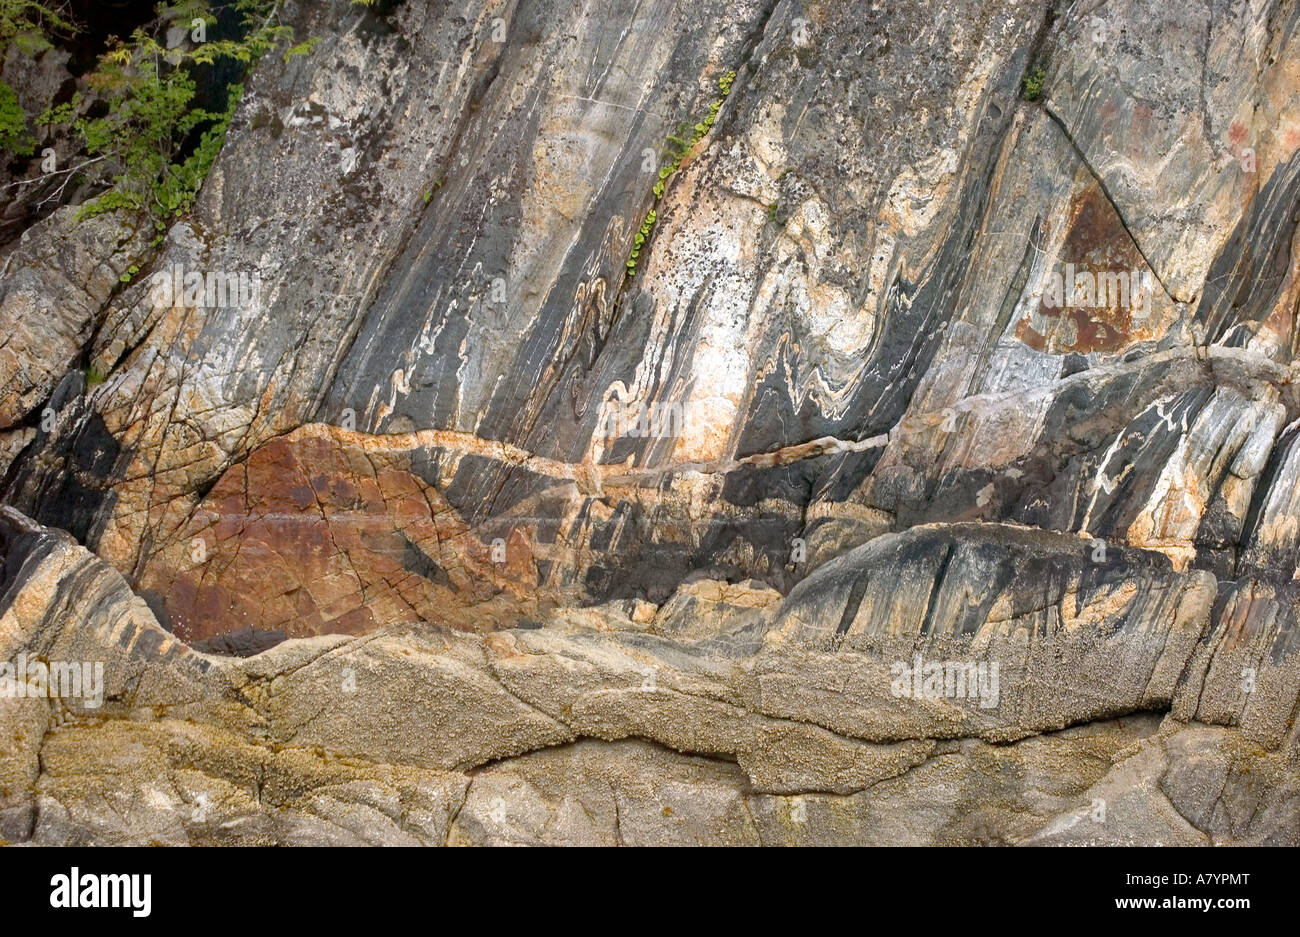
(929, 476)
(595, 727)
(55, 281)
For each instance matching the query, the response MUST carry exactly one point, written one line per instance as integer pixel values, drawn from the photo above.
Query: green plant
(158, 145)
(151, 117)
(94, 376)
(25, 26)
(684, 148)
(303, 48)
(639, 240)
(13, 124)
(1031, 88)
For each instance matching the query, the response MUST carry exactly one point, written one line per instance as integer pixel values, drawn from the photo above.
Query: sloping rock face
(930, 476)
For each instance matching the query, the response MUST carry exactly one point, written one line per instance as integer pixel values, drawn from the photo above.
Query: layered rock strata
(932, 478)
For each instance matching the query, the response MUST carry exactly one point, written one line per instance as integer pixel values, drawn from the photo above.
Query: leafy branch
(27, 26)
(136, 109)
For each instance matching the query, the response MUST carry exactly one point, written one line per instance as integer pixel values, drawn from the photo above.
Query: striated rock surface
(930, 477)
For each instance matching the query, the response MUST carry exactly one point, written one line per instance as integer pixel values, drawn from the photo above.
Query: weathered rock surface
(846, 518)
(593, 728)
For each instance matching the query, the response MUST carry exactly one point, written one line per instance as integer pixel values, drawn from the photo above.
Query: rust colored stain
(313, 536)
(1095, 244)
(1279, 323)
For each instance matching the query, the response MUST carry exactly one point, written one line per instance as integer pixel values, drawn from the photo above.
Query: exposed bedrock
(930, 476)
(757, 728)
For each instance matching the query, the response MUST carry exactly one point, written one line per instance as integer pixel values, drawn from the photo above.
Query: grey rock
(826, 526)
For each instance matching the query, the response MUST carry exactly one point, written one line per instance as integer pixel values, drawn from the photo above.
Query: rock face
(929, 477)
